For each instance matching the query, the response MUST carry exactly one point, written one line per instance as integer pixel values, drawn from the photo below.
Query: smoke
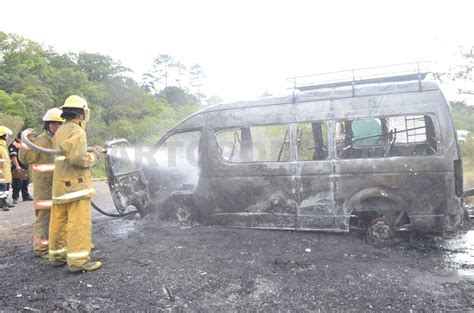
(170, 156)
(178, 159)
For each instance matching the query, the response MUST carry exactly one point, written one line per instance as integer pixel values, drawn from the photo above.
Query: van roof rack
(414, 71)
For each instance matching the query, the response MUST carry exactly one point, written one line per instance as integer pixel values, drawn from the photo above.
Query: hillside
(34, 79)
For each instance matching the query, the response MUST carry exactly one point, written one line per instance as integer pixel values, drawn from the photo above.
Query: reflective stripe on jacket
(42, 204)
(5, 164)
(42, 166)
(72, 178)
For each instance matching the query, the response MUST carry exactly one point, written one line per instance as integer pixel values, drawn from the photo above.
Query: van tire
(379, 231)
(180, 209)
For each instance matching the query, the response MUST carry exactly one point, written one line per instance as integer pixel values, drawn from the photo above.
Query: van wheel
(180, 209)
(119, 200)
(379, 231)
(184, 214)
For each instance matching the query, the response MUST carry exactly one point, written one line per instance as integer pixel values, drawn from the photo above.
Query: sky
(249, 47)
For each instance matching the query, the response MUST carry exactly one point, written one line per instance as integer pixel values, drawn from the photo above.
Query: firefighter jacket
(72, 178)
(5, 164)
(42, 167)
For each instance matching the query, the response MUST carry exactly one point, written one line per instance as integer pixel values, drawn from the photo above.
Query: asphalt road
(154, 265)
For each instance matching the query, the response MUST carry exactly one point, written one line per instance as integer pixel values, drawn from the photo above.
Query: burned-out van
(377, 155)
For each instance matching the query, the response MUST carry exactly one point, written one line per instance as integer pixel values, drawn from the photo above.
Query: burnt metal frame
(413, 74)
(354, 202)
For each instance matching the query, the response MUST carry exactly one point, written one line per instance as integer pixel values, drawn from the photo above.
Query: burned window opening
(380, 137)
(267, 143)
(178, 149)
(312, 142)
(284, 153)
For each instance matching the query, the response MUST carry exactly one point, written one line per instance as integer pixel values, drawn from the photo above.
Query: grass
(98, 171)
(468, 178)
(469, 182)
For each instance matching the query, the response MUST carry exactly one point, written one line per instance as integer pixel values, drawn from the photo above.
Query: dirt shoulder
(149, 265)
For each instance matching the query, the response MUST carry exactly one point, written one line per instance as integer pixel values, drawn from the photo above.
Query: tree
(148, 82)
(32, 104)
(180, 69)
(7, 105)
(467, 151)
(166, 71)
(99, 67)
(15, 123)
(177, 97)
(460, 77)
(34, 79)
(122, 128)
(161, 67)
(463, 116)
(465, 70)
(23, 64)
(197, 76)
(125, 99)
(214, 100)
(60, 61)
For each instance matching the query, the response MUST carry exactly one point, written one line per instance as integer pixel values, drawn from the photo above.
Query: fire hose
(112, 214)
(27, 141)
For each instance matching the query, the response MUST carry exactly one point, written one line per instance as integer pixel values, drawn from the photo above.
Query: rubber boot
(90, 266)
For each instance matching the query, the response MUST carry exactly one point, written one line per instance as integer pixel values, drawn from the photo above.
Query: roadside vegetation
(463, 117)
(34, 78)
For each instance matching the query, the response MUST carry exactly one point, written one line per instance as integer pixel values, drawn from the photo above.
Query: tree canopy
(34, 79)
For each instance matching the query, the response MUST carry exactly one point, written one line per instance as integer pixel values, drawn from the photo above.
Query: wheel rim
(183, 214)
(119, 200)
(380, 230)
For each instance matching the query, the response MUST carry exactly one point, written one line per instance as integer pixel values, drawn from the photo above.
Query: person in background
(42, 167)
(70, 228)
(19, 171)
(5, 168)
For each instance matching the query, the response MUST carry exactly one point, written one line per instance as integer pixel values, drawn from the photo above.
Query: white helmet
(53, 115)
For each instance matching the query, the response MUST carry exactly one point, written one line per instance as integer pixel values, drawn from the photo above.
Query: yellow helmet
(76, 102)
(53, 115)
(5, 131)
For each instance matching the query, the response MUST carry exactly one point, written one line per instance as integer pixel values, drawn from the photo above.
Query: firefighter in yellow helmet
(70, 228)
(42, 167)
(5, 167)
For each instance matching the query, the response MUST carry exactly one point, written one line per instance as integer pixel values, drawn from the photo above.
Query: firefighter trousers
(41, 230)
(70, 233)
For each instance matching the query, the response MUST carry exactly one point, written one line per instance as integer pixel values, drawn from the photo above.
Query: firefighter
(70, 229)
(5, 167)
(20, 179)
(42, 166)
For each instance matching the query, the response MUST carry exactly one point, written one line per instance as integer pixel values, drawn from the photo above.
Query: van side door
(249, 182)
(314, 171)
